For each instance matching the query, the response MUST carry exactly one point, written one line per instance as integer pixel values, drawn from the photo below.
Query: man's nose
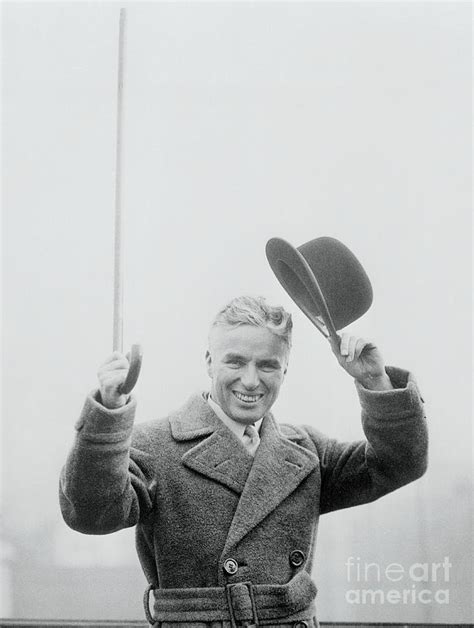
(250, 378)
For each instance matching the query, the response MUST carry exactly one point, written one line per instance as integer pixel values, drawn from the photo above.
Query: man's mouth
(247, 398)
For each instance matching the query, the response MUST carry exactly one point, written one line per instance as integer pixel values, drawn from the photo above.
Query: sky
(242, 121)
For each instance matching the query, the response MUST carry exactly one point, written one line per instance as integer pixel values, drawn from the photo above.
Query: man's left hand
(362, 360)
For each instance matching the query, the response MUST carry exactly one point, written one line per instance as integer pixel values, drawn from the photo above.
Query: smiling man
(246, 364)
(225, 500)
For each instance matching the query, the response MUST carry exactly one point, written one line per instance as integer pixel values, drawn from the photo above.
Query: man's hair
(256, 311)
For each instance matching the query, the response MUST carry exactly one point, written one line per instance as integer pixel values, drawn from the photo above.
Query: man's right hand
(112, 373)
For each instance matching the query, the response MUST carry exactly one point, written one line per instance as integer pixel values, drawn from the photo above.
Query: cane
(136, 350)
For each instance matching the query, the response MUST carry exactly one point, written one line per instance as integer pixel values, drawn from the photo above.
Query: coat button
(231, 566)
(297, 558)
(300, 624)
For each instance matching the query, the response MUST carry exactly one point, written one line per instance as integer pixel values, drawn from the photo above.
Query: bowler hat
(325, 280)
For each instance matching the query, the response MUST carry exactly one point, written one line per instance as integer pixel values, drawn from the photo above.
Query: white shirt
(234, 426)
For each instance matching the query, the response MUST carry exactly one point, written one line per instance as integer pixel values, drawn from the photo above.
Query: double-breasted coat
(226, 539)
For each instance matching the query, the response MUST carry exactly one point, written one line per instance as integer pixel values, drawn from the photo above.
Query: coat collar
(220, 456)
(194, 419)
(263, 482)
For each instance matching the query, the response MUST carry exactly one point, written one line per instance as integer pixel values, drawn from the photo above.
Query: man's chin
(247, 415)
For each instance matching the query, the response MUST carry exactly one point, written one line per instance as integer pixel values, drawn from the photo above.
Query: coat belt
(242, 603)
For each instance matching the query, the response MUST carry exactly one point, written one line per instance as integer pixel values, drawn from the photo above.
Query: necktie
(251, 439)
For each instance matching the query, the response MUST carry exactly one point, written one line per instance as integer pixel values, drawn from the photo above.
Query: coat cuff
(104, 423)
(404, 399)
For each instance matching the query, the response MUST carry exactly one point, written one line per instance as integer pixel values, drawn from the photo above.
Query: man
(227, 516)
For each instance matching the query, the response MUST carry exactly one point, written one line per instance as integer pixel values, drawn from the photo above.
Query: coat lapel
(219, 456)
(279, 467)
(280, 464)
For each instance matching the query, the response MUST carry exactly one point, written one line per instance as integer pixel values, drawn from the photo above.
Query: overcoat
(226, 539)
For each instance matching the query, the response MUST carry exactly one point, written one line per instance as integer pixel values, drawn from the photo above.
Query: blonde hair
(256, 311)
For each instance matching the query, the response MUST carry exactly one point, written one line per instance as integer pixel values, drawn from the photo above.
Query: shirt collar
(237, 428)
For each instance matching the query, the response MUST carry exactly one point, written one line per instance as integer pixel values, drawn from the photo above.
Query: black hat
(325, 280)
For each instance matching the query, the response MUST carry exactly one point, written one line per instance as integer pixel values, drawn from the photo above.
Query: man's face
(247, 365)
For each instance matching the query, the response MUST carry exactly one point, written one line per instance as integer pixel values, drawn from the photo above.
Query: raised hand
(362, 360)
(112, 373)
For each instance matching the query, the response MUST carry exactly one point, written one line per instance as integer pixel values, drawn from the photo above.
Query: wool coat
(222, 537)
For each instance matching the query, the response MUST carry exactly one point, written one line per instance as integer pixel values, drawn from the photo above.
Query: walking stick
(136, 350)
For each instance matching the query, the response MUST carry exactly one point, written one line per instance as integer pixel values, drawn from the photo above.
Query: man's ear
(208, 359)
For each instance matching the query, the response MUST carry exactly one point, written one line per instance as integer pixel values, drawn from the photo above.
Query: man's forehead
(245, 339)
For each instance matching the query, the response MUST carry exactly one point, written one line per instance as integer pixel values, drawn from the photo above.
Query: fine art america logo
(418, 583)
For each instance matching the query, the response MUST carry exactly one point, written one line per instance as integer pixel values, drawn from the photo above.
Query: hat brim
(299, 281)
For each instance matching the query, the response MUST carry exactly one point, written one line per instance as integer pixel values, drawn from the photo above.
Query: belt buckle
(236, 621)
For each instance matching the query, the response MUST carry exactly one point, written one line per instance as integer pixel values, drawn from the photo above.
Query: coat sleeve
(394, 454)
(103, 487)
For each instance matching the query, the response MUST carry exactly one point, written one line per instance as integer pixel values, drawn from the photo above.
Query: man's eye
(234, 363)
(268, 368)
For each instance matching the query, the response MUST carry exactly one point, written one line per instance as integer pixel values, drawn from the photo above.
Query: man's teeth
(247, 398)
